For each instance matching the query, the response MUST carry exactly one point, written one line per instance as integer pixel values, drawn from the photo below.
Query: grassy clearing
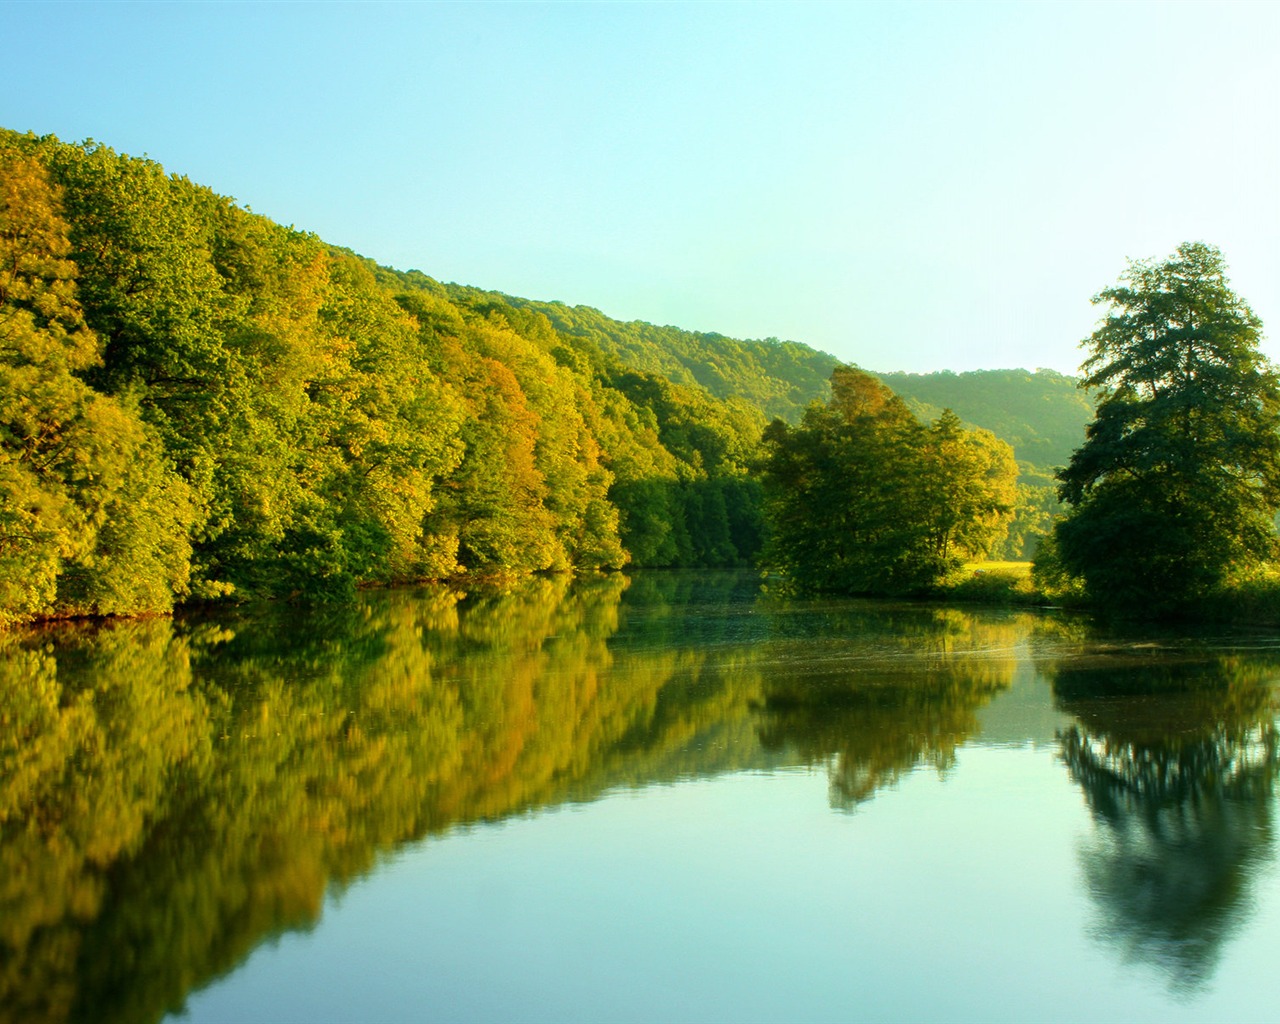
(1251, 598)
(991, 583)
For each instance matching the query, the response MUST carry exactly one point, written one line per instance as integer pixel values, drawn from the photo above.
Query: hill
(779, 378)
(197, 402)
(1041, 414)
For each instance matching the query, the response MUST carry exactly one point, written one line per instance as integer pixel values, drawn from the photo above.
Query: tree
(969, 487)
(1178, 480)
(861, 498)
(92, 518)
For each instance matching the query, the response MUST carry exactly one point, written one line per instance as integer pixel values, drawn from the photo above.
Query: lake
(661, 797)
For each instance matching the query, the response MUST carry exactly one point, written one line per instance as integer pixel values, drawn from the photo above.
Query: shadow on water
(1177, 753)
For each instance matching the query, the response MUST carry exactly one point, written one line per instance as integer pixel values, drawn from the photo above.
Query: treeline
(196, 401)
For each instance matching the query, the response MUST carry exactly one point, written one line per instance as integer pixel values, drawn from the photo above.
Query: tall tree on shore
(1178, 480)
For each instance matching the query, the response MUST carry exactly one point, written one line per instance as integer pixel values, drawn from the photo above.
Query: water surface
(670, 797)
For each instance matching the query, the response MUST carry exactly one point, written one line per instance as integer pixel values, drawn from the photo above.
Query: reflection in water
(1177, 756)
(86, 770)
(172, 794)
(907, 698)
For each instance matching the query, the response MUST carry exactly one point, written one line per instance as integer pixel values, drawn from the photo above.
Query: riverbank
(1252, 600)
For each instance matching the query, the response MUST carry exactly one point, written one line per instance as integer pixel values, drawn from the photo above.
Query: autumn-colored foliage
(196, 402)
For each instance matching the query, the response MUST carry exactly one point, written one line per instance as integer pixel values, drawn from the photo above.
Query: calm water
(664, 799)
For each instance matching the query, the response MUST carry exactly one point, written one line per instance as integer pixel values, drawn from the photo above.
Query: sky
(908, 186)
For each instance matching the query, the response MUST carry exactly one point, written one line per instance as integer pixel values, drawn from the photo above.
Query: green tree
(92, 518)
(151, 292)
(969, 489)
(835, 488)
(1178, 480)
(861, 498)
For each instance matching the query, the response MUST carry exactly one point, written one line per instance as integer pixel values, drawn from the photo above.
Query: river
(662, 797)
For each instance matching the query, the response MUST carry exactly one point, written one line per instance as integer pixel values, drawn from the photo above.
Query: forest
(197, 403)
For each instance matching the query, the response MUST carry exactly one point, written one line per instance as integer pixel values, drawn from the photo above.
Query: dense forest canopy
(200, 402)
(197, 402)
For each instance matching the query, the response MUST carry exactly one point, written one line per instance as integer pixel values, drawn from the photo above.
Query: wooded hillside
(197, 402)
(780, 378)
(1042, 414)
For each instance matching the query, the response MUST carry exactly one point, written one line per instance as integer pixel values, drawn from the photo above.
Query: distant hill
(779, 377)
(1042, 414)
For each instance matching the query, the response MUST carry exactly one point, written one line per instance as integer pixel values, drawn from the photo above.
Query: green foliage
(197, 402)
(1035, 510)
(1178, 481)
(778, 378)
(992, 583)
(92, 519)
(861, 498)
(967, 484)
(1041, 415)
(628, 466)
(141, 243)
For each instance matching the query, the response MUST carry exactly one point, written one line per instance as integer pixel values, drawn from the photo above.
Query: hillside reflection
(172, 795)
(1177, 755)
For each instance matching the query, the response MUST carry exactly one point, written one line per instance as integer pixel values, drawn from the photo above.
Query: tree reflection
(172, 795)
(89, 762)
(1177, 755)
(906, 697)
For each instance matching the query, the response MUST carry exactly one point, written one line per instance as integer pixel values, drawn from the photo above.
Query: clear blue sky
(908, 186)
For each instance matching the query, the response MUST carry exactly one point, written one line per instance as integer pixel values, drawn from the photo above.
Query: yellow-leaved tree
(92, 519)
